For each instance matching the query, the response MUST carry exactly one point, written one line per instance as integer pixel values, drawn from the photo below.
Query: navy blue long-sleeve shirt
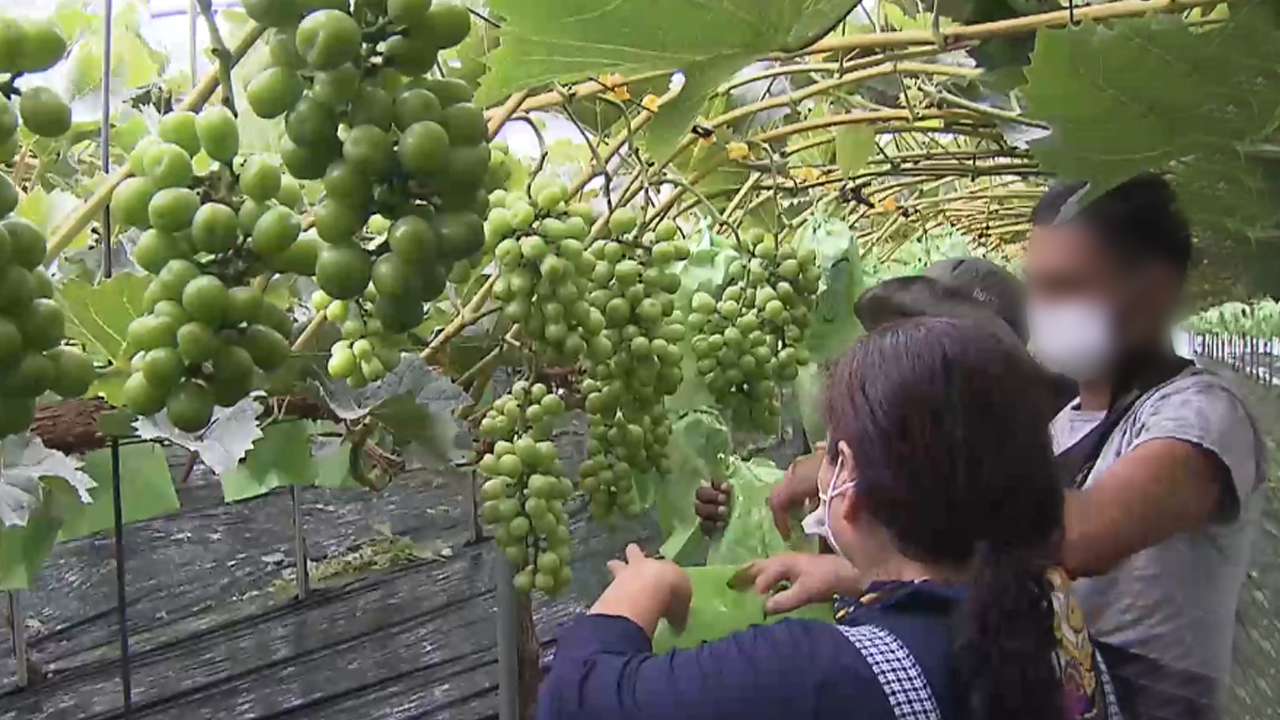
(604, 666)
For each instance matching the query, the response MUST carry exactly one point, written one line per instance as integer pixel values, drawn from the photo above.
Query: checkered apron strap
(1113, 707)
(899, 674)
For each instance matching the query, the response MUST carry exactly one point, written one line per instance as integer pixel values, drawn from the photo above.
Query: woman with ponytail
(938, 487)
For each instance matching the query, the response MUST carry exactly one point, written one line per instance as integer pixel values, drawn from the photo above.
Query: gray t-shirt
(1176, 602)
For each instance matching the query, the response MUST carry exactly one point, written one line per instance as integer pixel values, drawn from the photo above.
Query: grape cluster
(366, 352)
(751, 338)
(207, 331)
(33, 359)
(32, 326)
(546, 271)
(633, 363)
(30, 45)
(525, 488)
(361, 118)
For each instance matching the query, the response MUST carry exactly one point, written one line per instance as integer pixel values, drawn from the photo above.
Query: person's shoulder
(1199, 391)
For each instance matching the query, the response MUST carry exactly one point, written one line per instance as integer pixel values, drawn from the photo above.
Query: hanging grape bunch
(362, 118)
(33, 359)
(27, 46)
(366, 352)
(545, 274)
(633, 363)
(210, 242)
(525, 488)
(751, 339)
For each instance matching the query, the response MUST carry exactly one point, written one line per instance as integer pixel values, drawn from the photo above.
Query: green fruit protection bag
(750, 533)
(718, 610)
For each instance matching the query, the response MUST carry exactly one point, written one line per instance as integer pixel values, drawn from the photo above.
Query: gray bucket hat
(966, 288)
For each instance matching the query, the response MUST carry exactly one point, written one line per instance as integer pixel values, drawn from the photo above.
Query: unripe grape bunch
(633, 363)
(545, 270)
(33, 358)
(363, 119)
(366, 352)
(28, 46)
(525, 488)
(750, 338)
(208, 330)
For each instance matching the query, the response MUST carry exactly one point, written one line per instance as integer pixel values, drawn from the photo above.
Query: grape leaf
(546, 41)
(23, 549)
(414, 401)
(24, 462)
(855, 144)
(46, 210)
(332, 457)
(1155, 93)
(281, 457)
(146, 490)
(222, 445)
(99, 315)
(835, 327)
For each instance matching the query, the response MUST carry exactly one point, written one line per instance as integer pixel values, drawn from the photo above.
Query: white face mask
(818, 522)
(1075, 338)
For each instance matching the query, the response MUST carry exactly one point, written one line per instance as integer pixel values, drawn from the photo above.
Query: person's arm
(604, 668)
(1192, 461)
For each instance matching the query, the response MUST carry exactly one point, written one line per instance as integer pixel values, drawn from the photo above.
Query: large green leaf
(855, 144)
(99, 315)
(718, 610)
(146, 490)
(546, 41)
(835, 327)
(23, 549)
(1154, 93)
(281, 457)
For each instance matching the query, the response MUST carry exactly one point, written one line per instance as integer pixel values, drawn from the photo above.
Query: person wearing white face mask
(1163, 463)
(938, 486)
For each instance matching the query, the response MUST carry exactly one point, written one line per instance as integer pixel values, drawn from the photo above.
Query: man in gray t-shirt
(1166, 490)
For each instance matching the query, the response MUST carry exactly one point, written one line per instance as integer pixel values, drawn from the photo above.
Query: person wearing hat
(973, 289)
(1164, 466)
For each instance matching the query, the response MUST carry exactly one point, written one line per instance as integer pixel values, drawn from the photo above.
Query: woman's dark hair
(949, 430)
(1139, 218)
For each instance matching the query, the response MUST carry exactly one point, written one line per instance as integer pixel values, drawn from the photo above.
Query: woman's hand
(798, 487)
(808, 579)
(645, 590)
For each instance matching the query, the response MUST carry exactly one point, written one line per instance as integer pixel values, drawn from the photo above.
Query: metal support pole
(117, 506)
(193, 17)
(18, 631)
(300, 545)
(122, 610)
(508, 639)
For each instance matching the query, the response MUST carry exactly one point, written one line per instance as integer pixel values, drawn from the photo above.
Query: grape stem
(226, 60)
(465, 318)
(9, 88)
(308, 333)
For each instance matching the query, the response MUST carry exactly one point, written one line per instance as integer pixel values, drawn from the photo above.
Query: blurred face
(1085, 307)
